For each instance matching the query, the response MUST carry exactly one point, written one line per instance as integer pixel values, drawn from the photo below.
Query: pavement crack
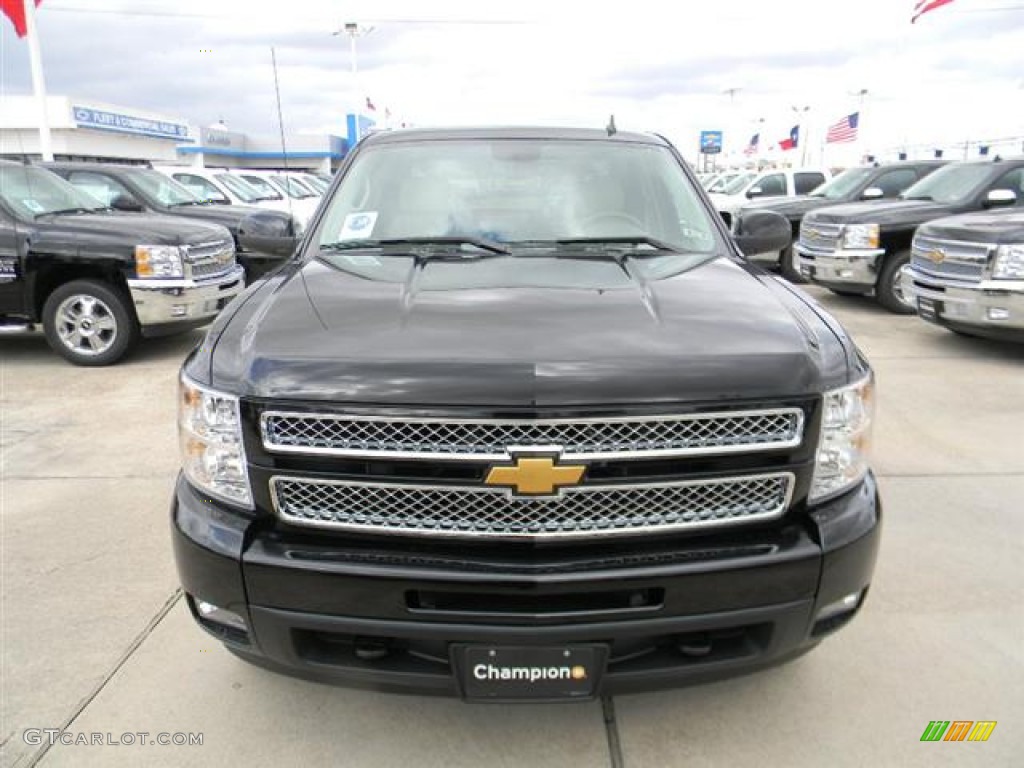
(135, 644)
(611, 729)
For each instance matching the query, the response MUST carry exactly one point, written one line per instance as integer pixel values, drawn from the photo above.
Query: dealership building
(83, 129)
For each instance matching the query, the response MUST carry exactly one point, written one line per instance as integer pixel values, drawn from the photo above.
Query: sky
(955, 75)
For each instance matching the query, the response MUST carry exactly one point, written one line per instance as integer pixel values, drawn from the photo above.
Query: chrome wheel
(86, 325)
(897, 288)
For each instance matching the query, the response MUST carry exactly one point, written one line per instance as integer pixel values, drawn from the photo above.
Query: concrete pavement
(94, 639)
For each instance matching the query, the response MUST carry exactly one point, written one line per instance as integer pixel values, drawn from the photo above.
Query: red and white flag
(923, 6)
(370, 105)
(15, 11)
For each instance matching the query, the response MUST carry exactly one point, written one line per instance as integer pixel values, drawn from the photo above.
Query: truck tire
(89, 323)
(789, 267)
(888, 291)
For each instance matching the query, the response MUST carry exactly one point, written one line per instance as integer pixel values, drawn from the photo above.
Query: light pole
(732, 116)
(801, 113)
(354, 30)
(861, 95)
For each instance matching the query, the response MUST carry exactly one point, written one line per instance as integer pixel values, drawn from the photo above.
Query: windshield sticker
(33, 205)
(358, 225)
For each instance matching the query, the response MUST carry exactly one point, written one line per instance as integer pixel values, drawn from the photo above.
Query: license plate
(524, 673)
(928, 309)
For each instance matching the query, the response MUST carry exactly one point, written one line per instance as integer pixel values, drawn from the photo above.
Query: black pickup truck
(97, 279)
(966, 274)
(520, 422)
(863, 248)
(873, 182)
(261, 236)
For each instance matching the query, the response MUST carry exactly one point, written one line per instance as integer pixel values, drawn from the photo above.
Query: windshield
(35, 192)
(949, 184)
(736, 184)
(240, 188)
(843, 185)
(317, 185)
(718, 183)
(163, 190)
(267, 190)
(292, 187)
(518, 191)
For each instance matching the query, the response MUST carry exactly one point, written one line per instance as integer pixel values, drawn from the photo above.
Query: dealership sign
(87, 117)
(710, 142)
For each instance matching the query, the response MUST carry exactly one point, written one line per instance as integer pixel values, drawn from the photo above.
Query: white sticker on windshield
(33, 205)
(358, 225)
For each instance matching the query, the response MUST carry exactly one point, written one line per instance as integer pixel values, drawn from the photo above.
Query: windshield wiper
(626, 241)
(185, 202)
(929, 198)
(481, 243)
(66, 211)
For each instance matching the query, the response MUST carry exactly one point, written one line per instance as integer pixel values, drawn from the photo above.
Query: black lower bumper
(389, 620)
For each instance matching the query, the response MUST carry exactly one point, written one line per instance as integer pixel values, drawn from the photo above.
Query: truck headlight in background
(159, 261)
(1009, 262)
(210, 435)
(860, 236)
(847, 419)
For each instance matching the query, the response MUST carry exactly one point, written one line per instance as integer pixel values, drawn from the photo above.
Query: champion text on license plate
(530, 673)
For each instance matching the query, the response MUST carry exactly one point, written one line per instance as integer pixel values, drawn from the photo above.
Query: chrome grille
(392, 508)
(208, 260)
(820, 236)
(482, 440)
(957, 260)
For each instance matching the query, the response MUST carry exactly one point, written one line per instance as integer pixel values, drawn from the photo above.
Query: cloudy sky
(957, 74)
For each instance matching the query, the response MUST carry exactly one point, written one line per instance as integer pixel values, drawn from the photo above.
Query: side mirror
(763, 232)
(268, 232)
(872, 193)
(755, 192)
(123, 202)
(998, 198)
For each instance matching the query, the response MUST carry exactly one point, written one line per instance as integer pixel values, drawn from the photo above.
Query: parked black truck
(262, 237)
(520, 422)
(873, 182)
(966, 274)
(863, 248)
(97, 279)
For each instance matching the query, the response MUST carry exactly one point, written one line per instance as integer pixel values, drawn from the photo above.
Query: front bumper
(343, 611)
(170, 305)
(853, 268)
(991, 307)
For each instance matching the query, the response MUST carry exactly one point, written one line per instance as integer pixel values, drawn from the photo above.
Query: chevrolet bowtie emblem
(937, 256)
(535, 476)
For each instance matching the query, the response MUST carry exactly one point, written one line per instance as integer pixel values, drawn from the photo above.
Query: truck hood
(792, 208)
(899, 214)
(520, 332)
(998, 227)
(102, 230)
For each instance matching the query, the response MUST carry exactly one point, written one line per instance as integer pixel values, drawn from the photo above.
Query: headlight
(860, 236)
(1009, 263)
(159, 261)
(846, 421)
(210, 435)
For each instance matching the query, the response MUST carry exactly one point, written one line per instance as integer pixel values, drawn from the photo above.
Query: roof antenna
(611, 126)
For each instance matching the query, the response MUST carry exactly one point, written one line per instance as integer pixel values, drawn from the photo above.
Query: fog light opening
(837, 613)
(227, 625)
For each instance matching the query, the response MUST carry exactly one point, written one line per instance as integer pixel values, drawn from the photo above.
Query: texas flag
(15, 11)
(793, 140)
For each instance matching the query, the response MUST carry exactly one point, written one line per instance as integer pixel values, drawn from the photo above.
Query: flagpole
(38, 82)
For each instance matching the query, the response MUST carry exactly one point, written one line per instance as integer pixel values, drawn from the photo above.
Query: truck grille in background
(489, 440)
(208, 260)
(950, 259)
(424, 510)
(820, 236)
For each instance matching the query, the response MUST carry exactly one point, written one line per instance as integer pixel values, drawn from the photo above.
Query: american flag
(923, 6)
(752, 146)
(844, 130)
